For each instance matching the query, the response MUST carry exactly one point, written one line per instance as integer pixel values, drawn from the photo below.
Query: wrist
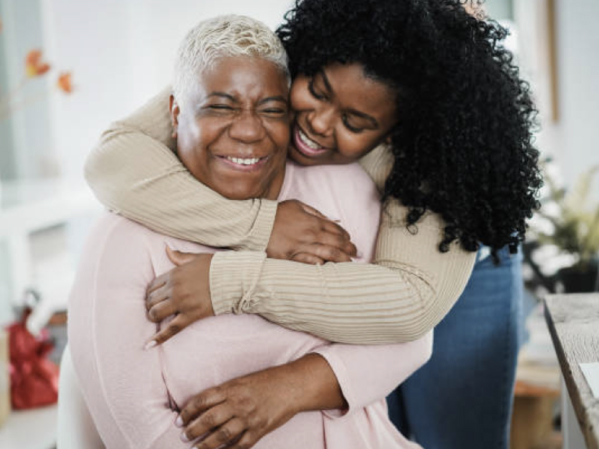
(312, 384)
(233, 279)
(259, 236)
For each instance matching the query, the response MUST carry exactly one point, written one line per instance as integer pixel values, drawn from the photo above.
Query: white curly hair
(221, 37)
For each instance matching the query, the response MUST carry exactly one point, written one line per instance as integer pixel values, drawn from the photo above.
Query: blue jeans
(462, 398)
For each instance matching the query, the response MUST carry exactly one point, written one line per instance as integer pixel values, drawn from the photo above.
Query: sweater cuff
(234, 276)
(343, 379)
(259, 235)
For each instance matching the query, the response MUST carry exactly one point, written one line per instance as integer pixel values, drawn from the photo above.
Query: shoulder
(117, 244)
(115, 241)
(378, 164)
(115, 228)
(115, 260)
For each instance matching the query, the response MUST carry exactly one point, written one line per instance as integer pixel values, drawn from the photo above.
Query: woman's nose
(247, 127)
(320, 121)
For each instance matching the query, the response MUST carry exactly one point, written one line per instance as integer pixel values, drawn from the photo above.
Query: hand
(303, 234)
(184, 292)
(239, 412)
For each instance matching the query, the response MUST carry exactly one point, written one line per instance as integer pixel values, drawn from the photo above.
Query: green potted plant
(569, 221)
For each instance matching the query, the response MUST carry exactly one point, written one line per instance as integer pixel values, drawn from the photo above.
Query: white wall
(578, 78)
(157, 27)
(90, 39)
(573, 140)
(25, 132)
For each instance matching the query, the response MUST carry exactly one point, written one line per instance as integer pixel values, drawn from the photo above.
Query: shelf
(30, 429)
(29, 206)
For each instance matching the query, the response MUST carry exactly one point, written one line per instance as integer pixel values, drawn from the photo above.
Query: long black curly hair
(463, 142)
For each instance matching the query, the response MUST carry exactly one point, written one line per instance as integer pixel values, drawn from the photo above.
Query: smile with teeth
(307, 146)
(243, 161)
(307, 141)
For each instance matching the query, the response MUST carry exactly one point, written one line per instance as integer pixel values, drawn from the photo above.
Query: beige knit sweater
(405, 293)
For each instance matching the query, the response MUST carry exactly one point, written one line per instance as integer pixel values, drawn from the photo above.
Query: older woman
(231, 121)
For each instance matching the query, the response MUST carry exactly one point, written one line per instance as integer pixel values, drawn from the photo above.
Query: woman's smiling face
(340, 115)
(234, 134)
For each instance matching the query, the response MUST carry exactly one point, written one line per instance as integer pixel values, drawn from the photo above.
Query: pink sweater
(133, 394)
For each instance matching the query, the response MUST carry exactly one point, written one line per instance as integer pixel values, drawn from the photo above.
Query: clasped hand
(183, 292)
(238, 413)
(241, 411)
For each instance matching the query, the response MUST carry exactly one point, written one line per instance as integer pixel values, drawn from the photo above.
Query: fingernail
(150, 345)
(179, 422)
(184, 437)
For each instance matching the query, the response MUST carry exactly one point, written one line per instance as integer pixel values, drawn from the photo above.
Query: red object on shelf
(33, 378)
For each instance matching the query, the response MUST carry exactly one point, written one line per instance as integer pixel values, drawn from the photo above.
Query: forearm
(133, 171)
(344, 377)
(312, 384)
(400, 298)
(367, 374)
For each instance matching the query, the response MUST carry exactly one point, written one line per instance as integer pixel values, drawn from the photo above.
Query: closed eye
(313, 92)
(277, 111)
(349, 126)
(219, 106)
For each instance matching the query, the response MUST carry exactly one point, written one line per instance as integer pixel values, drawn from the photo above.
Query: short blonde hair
(221, 37)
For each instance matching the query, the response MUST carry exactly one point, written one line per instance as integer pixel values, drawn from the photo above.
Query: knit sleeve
(134, 172)
(406, 292)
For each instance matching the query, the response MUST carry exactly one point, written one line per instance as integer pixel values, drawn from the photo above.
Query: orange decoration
(64, 82)
(33, 64)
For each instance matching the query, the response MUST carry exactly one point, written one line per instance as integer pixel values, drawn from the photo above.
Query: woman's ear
(173, 107)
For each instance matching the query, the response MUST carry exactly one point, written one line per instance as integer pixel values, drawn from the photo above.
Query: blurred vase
(580, 280)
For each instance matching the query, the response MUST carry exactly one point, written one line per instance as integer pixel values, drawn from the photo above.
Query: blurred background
(70, 67)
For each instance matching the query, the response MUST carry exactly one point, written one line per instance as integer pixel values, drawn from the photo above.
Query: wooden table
(573, 321)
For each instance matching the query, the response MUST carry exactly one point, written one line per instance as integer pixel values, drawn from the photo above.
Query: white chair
(76, 429)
